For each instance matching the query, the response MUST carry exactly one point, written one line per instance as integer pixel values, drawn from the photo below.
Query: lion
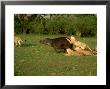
(80, 46)
(78, 52)
(17, 41)
(71, 52)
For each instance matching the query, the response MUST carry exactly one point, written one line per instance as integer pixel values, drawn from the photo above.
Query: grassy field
(36, 59)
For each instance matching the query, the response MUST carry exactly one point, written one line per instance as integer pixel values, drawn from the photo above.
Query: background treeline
(83, 25)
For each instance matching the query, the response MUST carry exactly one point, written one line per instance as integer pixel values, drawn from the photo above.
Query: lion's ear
(73, 38)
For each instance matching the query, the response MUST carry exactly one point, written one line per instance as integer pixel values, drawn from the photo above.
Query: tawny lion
(17, 41)
(79, 45)
(73, 53)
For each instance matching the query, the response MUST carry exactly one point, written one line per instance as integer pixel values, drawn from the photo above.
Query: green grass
(36, 59)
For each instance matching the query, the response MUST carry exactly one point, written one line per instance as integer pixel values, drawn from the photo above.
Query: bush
(59, 24)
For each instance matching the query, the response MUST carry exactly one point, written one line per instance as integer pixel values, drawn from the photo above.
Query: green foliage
(68, 24)
(87, 25)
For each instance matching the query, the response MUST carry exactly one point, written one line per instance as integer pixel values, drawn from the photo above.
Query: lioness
(79, 45)
(71, 52)
(17, 41)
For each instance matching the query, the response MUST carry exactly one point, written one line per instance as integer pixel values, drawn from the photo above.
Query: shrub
(68, 24)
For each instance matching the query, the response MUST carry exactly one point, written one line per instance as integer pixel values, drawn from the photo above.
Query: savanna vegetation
(84, 25)
(35, 59)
